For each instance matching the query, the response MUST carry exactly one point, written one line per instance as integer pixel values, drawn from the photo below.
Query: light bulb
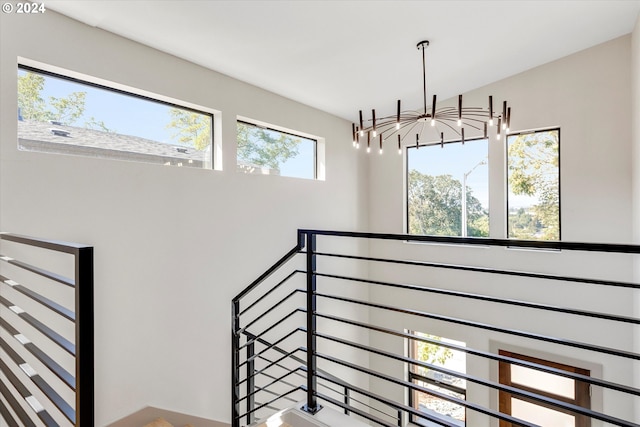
(357, 145)
(400, 151)
(362, 132)
(433, 122)
(368, 149)
(459, 122)
(375, 133)
(498, 136)
(354, 142)
(397, 125)
(490, 122)
(507, 130)
(381, 151)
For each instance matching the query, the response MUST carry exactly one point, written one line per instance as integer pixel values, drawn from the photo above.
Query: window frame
(441, 144)
(22, 65)
(289, 132)
(412, 377)
(506, 162)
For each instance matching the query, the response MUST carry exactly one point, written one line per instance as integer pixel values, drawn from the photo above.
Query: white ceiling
(342, 56)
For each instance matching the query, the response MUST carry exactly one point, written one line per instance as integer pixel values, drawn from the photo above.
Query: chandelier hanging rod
(451, 119)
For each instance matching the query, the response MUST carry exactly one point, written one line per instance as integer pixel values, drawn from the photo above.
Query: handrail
(81, 382)
(282, 296)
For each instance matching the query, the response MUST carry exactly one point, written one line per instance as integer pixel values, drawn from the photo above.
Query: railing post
(235, 362)
(251, 383)
(312, 404)
(347, 401)
(84, 338)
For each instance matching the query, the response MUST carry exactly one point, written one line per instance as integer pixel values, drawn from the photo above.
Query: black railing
(335, 332)
(47, 330)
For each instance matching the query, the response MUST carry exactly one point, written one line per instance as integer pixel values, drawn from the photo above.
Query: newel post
(312, 404)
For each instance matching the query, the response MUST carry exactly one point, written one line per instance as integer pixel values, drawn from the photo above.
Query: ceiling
(342, 56)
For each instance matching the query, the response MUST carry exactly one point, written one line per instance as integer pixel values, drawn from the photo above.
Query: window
(65, 115)
(267, 151)
(533, 201)
(560, 388)
(437, 177)
(439, 382)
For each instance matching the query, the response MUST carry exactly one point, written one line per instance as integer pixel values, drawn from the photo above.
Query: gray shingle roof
(55, 138)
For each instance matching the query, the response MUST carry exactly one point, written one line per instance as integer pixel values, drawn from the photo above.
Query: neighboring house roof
(56, 138)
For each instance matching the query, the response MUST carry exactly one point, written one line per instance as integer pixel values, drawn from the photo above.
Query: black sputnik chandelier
(403, 124)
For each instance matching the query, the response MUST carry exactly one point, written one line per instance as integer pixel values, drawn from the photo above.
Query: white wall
(635, 123)
(172, 245)
(588, 96)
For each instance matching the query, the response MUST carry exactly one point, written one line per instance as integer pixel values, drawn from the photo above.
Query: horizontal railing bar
(406, 384)
(486, 298)
(293, 252)
(273, 393)
(489, 270)
(271, 346)
(273, 307)
(48, 303)
(251, 341)
(6, 415)
(450, 387)
(48, 391)
(280, 283)
(257, 408)
(55, 245)
(370, 395)
(39, 271)
(42, 328)
(395, 405)
(483, 241)
(491, 384)
(539, 337)
(266, 386)
(283, 367)
(356, 411)
(256, 373)
(15, 405)
(44, 416)
(44, 358)
(554, 371)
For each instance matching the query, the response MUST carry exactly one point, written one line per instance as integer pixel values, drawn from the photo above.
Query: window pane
(67, 116)
(437, 178)
(270, 152)
(540, 415)
(544, 381)
(437, 407)
(534, 185)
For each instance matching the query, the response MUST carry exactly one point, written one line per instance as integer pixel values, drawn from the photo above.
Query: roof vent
(56, 123)
(60, 132)
(182, 150)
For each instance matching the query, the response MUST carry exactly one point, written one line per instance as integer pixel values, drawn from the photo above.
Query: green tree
(435, 207)
(191, 128)
(30, 102)
(262, 147)
(534, 171)
(66, 110)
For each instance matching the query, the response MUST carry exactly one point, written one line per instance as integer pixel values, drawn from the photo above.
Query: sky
(130, 115)
(456, 160)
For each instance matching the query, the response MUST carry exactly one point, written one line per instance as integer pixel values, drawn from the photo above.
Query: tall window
(533, 164)
(435, 406)
(267, 151)
(448, 189)
(64, 115)
(559, 388)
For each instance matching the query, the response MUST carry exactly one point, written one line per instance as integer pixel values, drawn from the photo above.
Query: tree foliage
(435, 207)
(191, 128)
(66, 110)
(263, 147)
(534, 171)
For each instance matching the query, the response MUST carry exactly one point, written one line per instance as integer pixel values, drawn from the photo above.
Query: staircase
(335, 322)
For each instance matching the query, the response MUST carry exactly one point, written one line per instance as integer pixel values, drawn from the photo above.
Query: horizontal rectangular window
(266, 151)
(64, 115)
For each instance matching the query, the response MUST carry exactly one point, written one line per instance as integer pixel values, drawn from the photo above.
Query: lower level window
(444, 389)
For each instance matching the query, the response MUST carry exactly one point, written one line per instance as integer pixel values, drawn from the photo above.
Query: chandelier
(450, 119)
